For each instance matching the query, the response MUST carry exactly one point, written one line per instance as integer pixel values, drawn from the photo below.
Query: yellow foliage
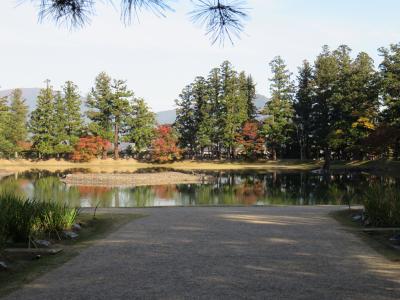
(364, 123)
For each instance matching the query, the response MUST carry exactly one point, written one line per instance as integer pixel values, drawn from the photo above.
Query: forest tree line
(338, 107)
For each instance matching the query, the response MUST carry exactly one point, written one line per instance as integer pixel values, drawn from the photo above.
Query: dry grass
(129, 165)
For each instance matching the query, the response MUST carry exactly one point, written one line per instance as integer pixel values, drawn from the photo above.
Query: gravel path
(224, 253)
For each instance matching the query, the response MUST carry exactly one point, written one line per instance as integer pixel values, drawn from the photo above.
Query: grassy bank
(25, 269)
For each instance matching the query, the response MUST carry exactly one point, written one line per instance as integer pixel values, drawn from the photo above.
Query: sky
(159, 56)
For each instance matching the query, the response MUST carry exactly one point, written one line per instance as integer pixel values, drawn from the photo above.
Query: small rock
(43, 243)
(356, 218)
(3, 266)
(76, 227)
(395, 239)
(70, 235)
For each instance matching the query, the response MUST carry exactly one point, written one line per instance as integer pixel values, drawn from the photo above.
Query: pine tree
(42, 123)
(18, 132)
(303, 106)
(390, 73)
(363, 109)
(326, 77)
(62, 144)
(119, 108)
(234, 107)
(72, 103)
(6, 146)
(185, 123)
(251, 96)
(140, 126)
(108, 105)
(203, 114)
(216, 109)
(278, 110)
(98, 110)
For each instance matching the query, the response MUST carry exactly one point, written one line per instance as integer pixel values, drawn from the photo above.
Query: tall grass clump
(382, 205)
(23, 220)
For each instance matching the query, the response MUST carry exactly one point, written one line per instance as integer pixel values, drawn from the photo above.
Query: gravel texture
(224, 253)
(136, 179)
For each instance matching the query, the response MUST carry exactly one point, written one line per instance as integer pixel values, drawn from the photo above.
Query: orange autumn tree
(165, 145)
(250, 140)
(90, 147)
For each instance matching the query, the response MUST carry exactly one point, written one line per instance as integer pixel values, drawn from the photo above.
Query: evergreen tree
(6, 146)
(363, 109)
(17, 130)
(108, 105)
(251, 96)
(140, 126)
(99, 111)
(303, 106)
(278, 110)
(62, 144)
(204, 114)
(216, 109)
(186, 119)
(119, 108)
(390, 73)
(234, 107)
(326, 76)
(42, 123)
(72, 103)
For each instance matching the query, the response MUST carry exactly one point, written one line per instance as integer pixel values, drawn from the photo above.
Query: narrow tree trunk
(327, 159)
(116, 131)
(396, 150)
(274, 157)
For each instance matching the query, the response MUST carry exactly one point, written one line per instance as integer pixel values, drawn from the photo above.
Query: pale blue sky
(160, 56)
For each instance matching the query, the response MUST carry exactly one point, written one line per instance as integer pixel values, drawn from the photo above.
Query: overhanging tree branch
(223, 19)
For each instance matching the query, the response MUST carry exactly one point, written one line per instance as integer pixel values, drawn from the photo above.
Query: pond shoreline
(135, 179)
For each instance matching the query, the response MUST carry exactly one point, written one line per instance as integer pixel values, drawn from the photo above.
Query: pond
(228, 188)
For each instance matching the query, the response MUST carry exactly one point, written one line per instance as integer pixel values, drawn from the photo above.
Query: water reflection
(249, 188)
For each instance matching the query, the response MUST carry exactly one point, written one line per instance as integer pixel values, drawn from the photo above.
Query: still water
(228, 188)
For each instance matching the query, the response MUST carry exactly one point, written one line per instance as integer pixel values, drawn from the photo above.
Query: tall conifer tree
(278, 110)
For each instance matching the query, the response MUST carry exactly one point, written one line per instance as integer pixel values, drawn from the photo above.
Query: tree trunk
(116, 131)
(396, 150)
(274, 154)
(327, 159)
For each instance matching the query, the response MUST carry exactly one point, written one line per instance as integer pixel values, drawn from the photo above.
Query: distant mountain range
(162, 117)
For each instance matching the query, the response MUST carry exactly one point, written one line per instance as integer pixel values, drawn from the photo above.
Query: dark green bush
(382, 205)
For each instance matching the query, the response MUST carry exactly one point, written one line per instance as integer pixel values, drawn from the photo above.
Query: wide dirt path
(224, 253)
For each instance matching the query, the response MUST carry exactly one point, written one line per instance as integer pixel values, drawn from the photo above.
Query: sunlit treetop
(222, 19)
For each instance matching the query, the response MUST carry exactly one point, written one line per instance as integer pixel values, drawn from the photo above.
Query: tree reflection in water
(228, 188)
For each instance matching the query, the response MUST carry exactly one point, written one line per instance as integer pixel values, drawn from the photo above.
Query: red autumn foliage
(165, 145)
(90, 147)
(380, 140)
(250, 140)
(25, 146)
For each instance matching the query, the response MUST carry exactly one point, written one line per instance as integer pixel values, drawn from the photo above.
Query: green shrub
(382, 205)
(24, 219)
(56, 217)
